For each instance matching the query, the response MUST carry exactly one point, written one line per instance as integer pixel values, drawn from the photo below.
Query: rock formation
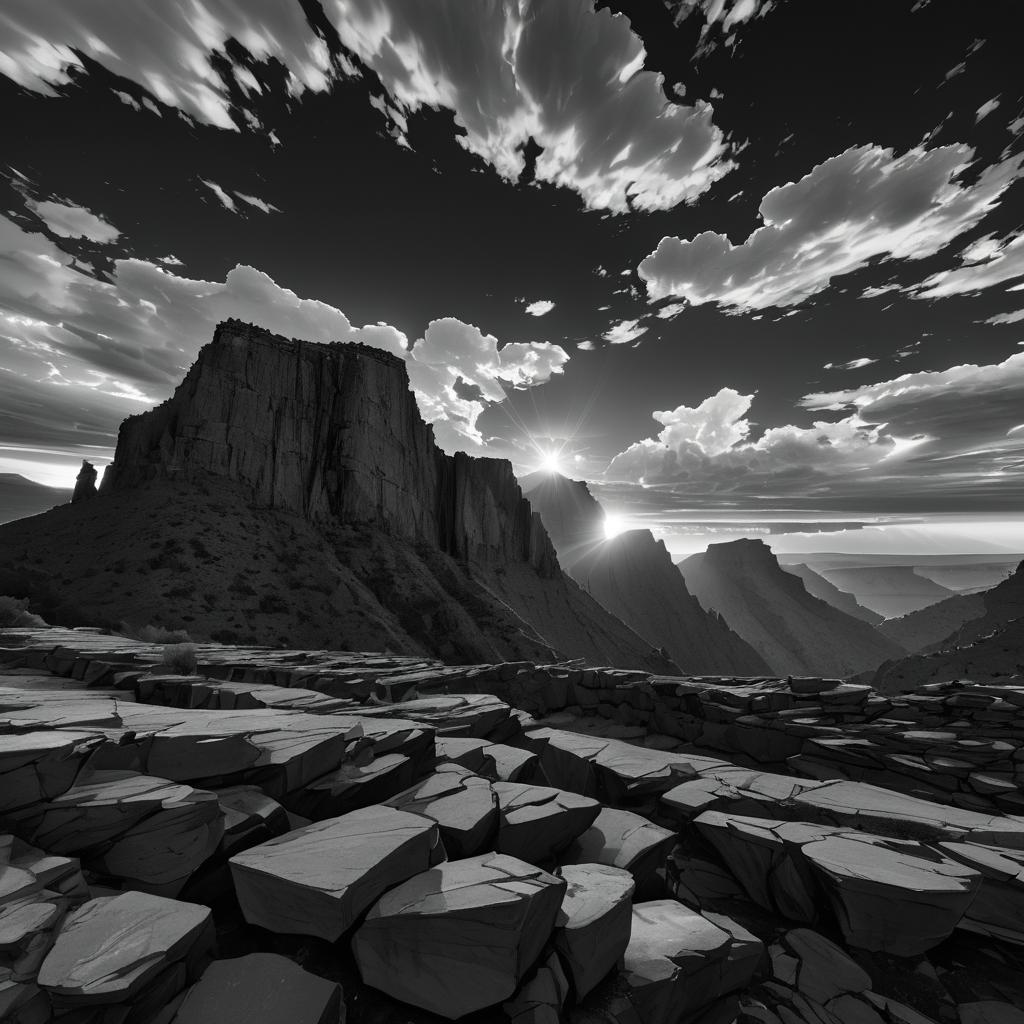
(864, 862)
(771, 609)
(633, 577)
(292, 491)
(85, 482)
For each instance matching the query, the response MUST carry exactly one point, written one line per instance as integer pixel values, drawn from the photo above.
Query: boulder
(593, 926)
(537, 822)
(250, 817)
(464, 806)
(149, 831)
(261, 988)
(459, 937)
(622, 839)
(541, 997)
(41, 765)
(679, 963)
(112, 948)
(317, 880)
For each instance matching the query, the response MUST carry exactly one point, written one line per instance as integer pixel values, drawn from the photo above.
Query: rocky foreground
(298, 836)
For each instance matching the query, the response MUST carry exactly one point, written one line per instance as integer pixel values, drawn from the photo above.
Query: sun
(613, 526)
(551, 462)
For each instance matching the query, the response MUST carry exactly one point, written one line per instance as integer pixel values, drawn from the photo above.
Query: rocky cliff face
(331, 432)
(290, 492)
(793, 631)
(633, 577)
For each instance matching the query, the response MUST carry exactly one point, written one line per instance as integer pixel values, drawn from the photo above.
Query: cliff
(795, 633)
(633, 577)
(291, 492)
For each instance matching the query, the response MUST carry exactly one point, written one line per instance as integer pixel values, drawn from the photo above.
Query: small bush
(14, 612)
(159, 635)
(180, 659)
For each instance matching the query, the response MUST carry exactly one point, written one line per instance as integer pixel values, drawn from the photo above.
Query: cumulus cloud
(79, 354)
(623, 332)
(912, 443)
(865, 204)
(540, 307)
(71, 221)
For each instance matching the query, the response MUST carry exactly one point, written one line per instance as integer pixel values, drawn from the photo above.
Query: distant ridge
(821, 588)
(20, 497)
(795, 632)
(632, 575)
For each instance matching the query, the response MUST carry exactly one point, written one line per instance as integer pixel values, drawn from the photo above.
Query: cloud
(1006, 318)
(986, 108)
(165, 48)
(624, 331)
(78, 354)
(71, 221)
(557, 71)
(258, 203)
(914, 443)
(865, 204)
(225, 200)
(853, 364)
(986, 263)
(540, 307)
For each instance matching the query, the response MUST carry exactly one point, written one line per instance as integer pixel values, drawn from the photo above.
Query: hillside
(821, 588)
(771, 609)
(633, 577)
(20, 497)
(988, 646)
(919, 630)
(290, 492)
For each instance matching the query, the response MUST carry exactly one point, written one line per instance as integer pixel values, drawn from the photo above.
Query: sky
(749, 267)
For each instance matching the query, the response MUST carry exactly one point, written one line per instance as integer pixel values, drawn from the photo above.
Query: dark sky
(792, 230)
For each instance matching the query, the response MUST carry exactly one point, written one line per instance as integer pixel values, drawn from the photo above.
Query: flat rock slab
(112, 947)
(317, 880)
(889, 895)
(594, 923)
(261, 988)
(614, 770)
(468, 714)
(353, 786)
(537, 822)
(625, 840)
(892, 896)
(41, 765)
(464, 806)
(461, 936)
(150, 831)
(885, 812)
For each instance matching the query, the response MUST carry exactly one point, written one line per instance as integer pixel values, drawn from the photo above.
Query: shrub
(180, 659)
(159, 635)
(14, 612)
